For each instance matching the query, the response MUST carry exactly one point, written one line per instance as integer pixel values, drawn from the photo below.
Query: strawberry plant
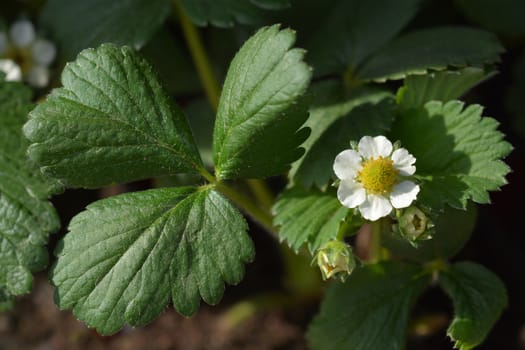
(359, 115)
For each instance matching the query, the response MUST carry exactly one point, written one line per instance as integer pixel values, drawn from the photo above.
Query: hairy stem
(211, 87)
(199, 56)
(245, 203)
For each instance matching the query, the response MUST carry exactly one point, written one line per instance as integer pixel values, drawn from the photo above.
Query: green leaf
(440, 86)
(335, 121)
(112, 114)
(502, 17)
(26, 216)
(311, 217)
(260, 111)
(78, 25)
(453, 229)
(126, 255)
(370, 310)
(224, 13)
(458, 152)
(479, 298)
(354, 30)
(434, 48)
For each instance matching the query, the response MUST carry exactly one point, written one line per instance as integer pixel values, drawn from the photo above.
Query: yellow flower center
(378, 176)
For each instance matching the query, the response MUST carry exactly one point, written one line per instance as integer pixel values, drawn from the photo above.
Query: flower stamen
(378, 175)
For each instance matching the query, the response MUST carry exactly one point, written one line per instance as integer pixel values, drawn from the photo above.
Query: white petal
(3, 43)
(350, 194)
(403, 194)
(373, 147)
(22, 33)
(44, 52)
(347, 164)
(11, 69)
(38, 76)
(375, 207)
(404, 162)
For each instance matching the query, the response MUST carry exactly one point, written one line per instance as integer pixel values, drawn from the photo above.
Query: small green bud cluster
(414, 225)
(335, 260)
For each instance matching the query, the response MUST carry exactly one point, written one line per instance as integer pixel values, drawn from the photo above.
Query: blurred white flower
(22, 33)
(24, 56)
(11, 69)
(372, 177)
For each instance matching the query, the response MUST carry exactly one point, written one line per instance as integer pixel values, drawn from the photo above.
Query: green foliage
(256, 132)
(479, 298)
(308, 216)
(439, 86)
(335, 120)
(26, 216)
(370, 310)
(126, 255)
(458, 152)
(435, 48)
(77, 25)
(354, 29)
(225, 13)
(112, 113)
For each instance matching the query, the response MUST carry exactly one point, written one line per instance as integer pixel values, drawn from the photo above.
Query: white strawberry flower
(25, 56)
(374, 177)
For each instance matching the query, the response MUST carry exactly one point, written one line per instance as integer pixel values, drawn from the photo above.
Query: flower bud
(414, 224)
(335, 259)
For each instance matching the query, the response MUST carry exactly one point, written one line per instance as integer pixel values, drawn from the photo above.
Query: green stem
(243, 202)
(201, 60)
(211, 87)
(247, 204)
(375, 242)
(262, 193)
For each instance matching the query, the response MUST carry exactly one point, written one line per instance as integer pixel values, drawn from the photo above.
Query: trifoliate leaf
(26, 216)
(355, 29)
(256, 132)
(225, 13)
(311, 217)
(439, 86)
(453, 229)
(126, 255)
(434, 48)
(458, 152)
(335, 121)
(479, 298)
(502, 17)
(78, 25)
(112, 114)
(370, 310)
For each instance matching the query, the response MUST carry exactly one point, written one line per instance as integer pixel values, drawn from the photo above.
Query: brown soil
(36, 323)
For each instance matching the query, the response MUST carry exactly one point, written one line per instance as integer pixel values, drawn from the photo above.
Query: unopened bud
(414, 224)
(335, 260)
